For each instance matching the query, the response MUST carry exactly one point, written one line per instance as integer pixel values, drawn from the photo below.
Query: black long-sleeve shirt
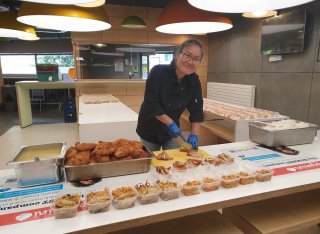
(164, 95)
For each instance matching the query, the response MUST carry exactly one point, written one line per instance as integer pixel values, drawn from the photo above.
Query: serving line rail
(185, 205)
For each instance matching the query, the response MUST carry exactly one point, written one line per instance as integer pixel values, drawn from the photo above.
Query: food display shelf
(227, 117)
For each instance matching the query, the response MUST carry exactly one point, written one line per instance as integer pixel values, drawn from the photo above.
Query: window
(159, 59)
(18, 64)
(26, 64)
(64, 61)
(148, 61)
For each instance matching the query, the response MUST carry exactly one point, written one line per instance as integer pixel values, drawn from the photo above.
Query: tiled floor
(48, 127)
(47, 115)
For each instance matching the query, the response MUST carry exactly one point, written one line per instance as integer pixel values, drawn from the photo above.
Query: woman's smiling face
(188, 60)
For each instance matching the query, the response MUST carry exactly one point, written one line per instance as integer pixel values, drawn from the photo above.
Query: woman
(169, 90)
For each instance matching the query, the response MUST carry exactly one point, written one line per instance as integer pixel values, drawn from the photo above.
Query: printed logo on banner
(296, 168)
(23, 205)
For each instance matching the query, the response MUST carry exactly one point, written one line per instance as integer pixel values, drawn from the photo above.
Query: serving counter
(106, 122)
(23, 88)
(303, 178)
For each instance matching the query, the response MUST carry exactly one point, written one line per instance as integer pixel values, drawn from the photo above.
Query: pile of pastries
(236, 112)
(102, 152)
(98, 98)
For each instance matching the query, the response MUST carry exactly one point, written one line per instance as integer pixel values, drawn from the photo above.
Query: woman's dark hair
(188, 43)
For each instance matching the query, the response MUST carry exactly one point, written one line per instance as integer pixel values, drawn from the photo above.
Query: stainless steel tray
(35, 152)
(33, 169)
(285, 137)
(108, 169)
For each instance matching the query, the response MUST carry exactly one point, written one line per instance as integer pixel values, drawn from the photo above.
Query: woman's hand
(174, 130)
(194, 141)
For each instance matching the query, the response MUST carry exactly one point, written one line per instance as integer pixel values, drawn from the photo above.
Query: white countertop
(105, 113)
(216, 199)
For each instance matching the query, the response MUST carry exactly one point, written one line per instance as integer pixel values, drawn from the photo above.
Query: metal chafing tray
(39, 164)
(296, 136)
(109, 169)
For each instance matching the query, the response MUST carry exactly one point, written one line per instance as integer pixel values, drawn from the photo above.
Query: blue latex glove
(194, 141)
(174, 130)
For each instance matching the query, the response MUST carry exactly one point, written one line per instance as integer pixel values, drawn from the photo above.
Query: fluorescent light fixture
(61, 2)
(95, 3)
(190, 20)
(10, 27)
(106, 53)
(259, 14)
(241, 6)
(136, 49)
(82, 48)
(66, 18)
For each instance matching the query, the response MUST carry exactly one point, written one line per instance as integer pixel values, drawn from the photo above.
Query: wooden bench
(204, 223)
(297, 213)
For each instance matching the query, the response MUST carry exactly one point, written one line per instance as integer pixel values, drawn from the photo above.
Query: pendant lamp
(64, 18)
(179, 17)
(259, 14)
(95, 3)
(10, 27)
(34, 38)
(62, 2)
(133, 21)
(241, 6)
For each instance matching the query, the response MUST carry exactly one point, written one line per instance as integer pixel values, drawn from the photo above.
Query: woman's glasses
(188, 57)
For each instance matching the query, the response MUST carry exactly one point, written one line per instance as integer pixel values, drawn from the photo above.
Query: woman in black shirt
(169, 90)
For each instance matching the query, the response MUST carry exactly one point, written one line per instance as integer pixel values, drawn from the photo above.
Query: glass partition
(121, 61)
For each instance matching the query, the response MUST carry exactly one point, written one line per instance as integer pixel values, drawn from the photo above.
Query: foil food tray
(39, 164)
(109, 169)
(296, 136)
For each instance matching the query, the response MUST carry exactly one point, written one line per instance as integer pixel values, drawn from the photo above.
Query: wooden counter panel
(135, 91)
(131, 100)
(278, 215)
(210, 222)
(209, 131)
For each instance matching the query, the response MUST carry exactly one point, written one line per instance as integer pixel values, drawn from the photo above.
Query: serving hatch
(38, 164)
(259, 133)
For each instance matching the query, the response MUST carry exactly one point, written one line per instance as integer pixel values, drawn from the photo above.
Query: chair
(37, 96)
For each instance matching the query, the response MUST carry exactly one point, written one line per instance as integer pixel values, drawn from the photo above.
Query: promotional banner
(28, 204)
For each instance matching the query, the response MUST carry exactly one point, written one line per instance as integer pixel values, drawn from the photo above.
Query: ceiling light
(33, 38)
(66, 18)
(241, 6)
(61, 2)
(259, 14)
(100, 45)
(190, 20)
(10, 27)
(133, 22)
(95, 3)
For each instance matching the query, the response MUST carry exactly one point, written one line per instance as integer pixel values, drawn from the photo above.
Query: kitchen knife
(182, 142)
